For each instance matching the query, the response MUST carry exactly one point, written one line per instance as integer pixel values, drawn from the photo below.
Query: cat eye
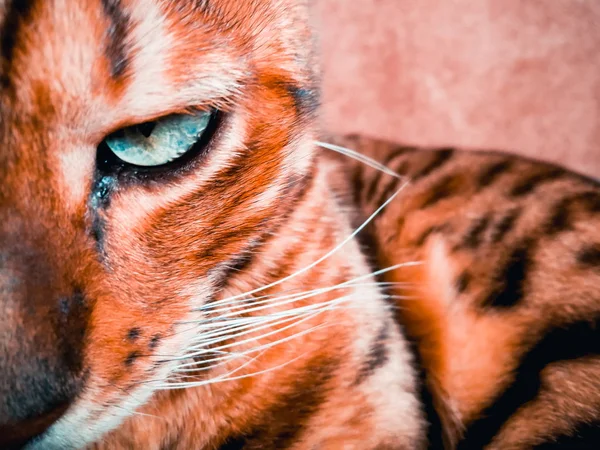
(159, 142)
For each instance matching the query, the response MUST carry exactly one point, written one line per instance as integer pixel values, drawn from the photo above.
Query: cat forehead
(135, 55)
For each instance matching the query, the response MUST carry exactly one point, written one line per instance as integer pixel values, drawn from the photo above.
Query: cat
(183, 266)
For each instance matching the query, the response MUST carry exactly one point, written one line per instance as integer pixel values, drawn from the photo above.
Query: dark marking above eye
(117, 34)
(146, 128)
(17, 13)
(133, 334)
(532, 182)
(589, 256)
(131, 358)
(510, 281)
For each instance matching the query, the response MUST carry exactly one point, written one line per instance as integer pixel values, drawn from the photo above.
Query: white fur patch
(75, 170)
(213, 73)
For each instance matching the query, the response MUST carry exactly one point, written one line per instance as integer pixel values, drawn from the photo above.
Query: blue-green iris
(160, 142)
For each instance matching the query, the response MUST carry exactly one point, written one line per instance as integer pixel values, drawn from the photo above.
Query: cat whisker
(262, 348)
(360, 158)
(168, 385)
(227, 325)
(137, 413)
(304, 319)
(226, 356)
(345, 284)
(252, 329)
(187, 385)
(202, 346)
(328, 254)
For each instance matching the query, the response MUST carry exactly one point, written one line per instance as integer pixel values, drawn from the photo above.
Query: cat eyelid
(132, 121)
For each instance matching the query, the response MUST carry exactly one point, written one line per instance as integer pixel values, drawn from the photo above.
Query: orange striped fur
(113, 277)
(505, 306)
(222, 300)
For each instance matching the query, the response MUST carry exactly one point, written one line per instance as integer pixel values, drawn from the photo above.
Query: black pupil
(146, 128)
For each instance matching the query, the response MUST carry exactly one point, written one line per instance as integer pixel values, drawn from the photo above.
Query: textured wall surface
(517, 75)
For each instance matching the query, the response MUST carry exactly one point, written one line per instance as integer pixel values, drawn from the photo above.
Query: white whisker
(327, 255)
(137, 413)
(359, 157)
(227, 356)
(191, 384)
(261, 348)
(202, 346)
(308, 317)
(271, 322)
(301, 295)
(225, 323)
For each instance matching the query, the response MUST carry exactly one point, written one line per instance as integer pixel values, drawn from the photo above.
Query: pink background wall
(517, 75)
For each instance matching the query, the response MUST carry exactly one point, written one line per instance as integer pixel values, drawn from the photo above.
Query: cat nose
(41, 346)
(37, 379)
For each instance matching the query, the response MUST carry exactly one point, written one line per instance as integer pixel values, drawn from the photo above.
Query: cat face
(107, 255)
